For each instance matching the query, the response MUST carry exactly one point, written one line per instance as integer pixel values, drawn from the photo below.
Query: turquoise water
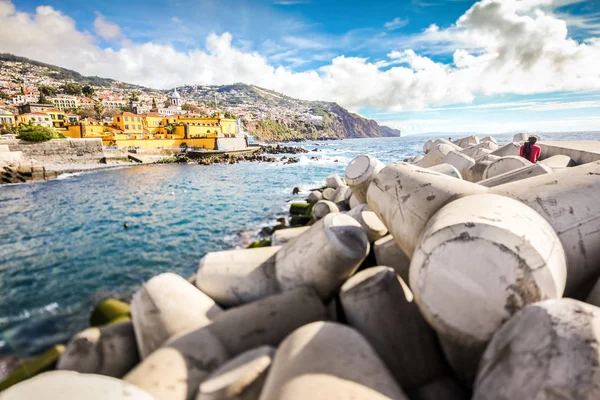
(63, 244)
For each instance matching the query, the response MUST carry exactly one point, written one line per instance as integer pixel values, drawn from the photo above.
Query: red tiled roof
(152, 114)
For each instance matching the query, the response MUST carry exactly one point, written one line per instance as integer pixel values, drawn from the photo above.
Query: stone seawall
(59, 151)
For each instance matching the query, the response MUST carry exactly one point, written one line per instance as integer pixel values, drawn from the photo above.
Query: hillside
(266, 114)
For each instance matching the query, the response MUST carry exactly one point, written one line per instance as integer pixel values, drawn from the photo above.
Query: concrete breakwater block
(481, 259)
(109, 310)
(379, 305)
(404, 197)
(548, 350)
(442, 389)
(359, 174)
(314, 197)
(166, 305)
(389, 254)
(427, 146)
(447, 142)
(235, 277)
(473, 150)
(175, 370)
(568, 200)
(517, 175)
(505, 164)
(459, 161)
(510, 149)
(467, 141)
(324, 256)
(446, 169)
(353, 202)
(69, 385)
(593, 296)
(488, 139)
(328, 194)
(475, 173)
(417, 158)
(558, 161)
(334, 181)
(322, 208)
(283, 236)
(374, 228)
(520, 137)
(477, 153)
(110, 350)
(324, 361)
(241, 378)
(435, 156)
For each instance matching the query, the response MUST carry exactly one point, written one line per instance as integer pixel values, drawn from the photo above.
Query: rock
(510, 149)
(285, 235)
(69, 385)
(558, 161)
(235, 277)
(109, 350)
(459, 161)
(568, 200)
(322, 208)
(389, 254)
(359, 174)
(505, 164)
(262, 242)
(166, 305)
(299, 220)
(296, 190)
(325, 360)
(379, 305)
(549, 350)
(516, 175)
(467, 141)
(30, 368)
(446, 169)
(241, 378)
(109, 310)
(328, 194)
(334, 181)
(499, 254)
(299, 208)
(404, 197)
(314, 197)
(324, 256)
(174, 371)
(520, 137)
(435, 156)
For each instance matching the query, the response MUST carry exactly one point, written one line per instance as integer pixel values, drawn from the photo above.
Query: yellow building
(129, 123)
(153, 123)
(57, 117)
(6, 117)
(88, 128)
(35, 118)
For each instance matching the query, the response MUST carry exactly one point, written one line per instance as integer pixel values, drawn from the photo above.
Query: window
(126, 118)
(138, 119)
(118, 119)
(139, 127)
(126, 126)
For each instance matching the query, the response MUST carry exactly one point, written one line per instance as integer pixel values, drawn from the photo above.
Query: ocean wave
(26, 314)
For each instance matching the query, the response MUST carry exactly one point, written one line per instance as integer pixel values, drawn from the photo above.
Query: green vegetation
(260, 243)
(72, 89)
(47, 90)
(87, 90)
(33, 367)
(34, 133)
(43, 99)
(108, 311)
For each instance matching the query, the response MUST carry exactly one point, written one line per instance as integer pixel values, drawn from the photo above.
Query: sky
(489, 66)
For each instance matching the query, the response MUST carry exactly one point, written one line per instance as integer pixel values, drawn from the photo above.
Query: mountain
(266, 114)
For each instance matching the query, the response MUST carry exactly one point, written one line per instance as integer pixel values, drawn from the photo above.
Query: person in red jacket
(530, 151)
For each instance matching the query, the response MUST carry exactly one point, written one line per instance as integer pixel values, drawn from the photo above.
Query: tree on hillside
(229, 115)
(87, 90)
(72, 89)
(87, 112)
(43, 99)
(154, 103)
(98, 109)
(190, 108)
(4, 96)
(112, 112)
(22, 91)
(47, 90)
(134, 96)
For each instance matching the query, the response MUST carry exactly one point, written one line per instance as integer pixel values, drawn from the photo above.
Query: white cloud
(396, 23)
(106, 29)
(500, 47)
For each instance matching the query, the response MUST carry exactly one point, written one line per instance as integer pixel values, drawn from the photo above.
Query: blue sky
(420, 65)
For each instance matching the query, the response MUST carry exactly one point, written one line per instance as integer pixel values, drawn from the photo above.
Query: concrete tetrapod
(235, 277)
(69, 385)
(459, 161)
(475, 173)
(427, 146)
(379, 305)
(467, 141)
(324, 361)
(549, 350)
(504, 165)
(474, 150)
(389, 254)
(435, 156)
(404, 197)
(442, 389)
(175, 371)
(359, 174)
(166, 305)
(374, 228)
(322, 208)
(282, 236)
(481, 259)
(593, 296)
(334, 181)
(417, 158)
(488, 139)
(241, 378)
(324, 256)
(510, 149)
(314, 196)
(520, 137)
(446, 169)
(517, 175)
(328, 194)
(558, 161)
(110, 350)
(568, 200)
(449, 143)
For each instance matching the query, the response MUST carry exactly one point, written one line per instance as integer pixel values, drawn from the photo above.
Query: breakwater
(469, 277)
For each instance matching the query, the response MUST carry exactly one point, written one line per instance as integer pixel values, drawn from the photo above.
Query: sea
(67, 244)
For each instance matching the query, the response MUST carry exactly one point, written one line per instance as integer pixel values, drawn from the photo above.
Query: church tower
(175, 98)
